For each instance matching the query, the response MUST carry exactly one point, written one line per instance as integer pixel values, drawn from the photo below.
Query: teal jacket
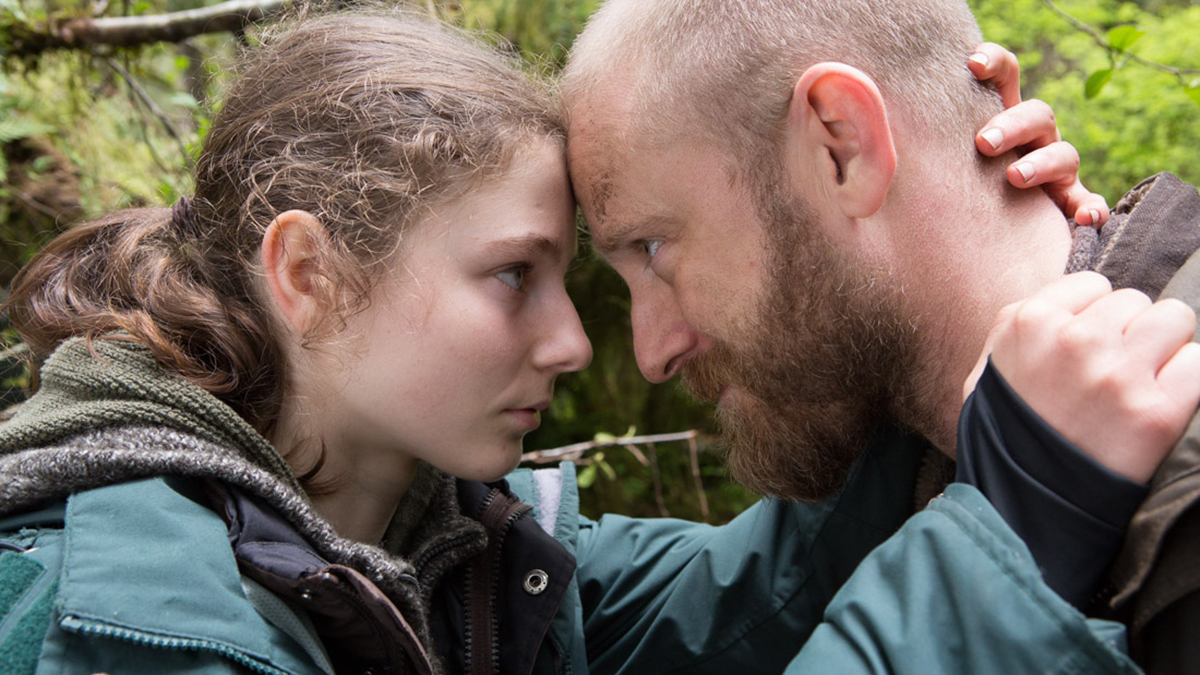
(138, 577)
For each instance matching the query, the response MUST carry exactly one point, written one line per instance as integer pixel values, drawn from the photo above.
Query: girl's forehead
(527, 208)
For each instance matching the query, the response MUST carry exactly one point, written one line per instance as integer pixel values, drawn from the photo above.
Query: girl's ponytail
(137, 274)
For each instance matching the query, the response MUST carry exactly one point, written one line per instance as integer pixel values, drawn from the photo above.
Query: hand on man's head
(1030, 129)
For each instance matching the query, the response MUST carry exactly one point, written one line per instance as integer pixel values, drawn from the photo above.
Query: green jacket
(648, 596)
(953, 592)
(136, 574)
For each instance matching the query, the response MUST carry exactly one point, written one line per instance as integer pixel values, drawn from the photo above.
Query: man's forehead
(596, 189)
(626, 183)
(600, 190)
(608, 182)
(594, 160)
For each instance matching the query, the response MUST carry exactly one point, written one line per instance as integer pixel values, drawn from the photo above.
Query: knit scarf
(116, 382)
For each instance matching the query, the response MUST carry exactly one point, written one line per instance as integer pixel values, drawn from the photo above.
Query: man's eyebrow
(617, 235)
(530, 244)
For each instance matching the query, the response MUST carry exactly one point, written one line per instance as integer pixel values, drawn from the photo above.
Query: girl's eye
(513, 277)
(651, 247)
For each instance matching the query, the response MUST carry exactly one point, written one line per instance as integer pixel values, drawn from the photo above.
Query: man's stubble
(826, 356)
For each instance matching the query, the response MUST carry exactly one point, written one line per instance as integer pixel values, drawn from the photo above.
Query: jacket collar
(1148, 238)
(177, 585)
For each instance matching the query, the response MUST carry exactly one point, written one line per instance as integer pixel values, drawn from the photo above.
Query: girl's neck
(361, 505)
(356, 489)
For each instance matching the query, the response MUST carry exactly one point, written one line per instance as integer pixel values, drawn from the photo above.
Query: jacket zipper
(472, 584)
(77, 624)
(482, 629)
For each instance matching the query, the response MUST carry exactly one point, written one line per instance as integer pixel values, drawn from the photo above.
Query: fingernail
(1026, 170)
(994, 137)
(1095, 216)
(979, 57)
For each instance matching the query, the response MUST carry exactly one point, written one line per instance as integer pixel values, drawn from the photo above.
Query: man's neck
(963, 269)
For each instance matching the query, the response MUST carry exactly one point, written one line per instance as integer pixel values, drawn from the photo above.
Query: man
(811, 245)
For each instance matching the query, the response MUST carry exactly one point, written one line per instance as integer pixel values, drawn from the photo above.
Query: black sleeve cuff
(1068, 508)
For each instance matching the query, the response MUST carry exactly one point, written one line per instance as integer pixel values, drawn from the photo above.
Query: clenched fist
(1115, 374)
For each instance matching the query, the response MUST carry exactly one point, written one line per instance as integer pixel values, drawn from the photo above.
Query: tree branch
(1099, 39)
(577, 449)
(144, 97)
(694, 456)
(129, 31)
(30, 201)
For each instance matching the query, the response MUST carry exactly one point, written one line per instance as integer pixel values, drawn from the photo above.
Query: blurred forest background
(90, 122)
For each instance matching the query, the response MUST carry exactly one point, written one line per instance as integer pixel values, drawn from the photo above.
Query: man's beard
(815, 368)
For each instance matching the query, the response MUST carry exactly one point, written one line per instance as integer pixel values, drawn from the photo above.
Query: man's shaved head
(728, 67)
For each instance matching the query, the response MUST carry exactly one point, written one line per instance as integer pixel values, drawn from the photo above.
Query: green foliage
(1129, 123)
(14, 127)
(594, 466)
(541, 29)
(15, 124)
(1193, 91)
(1096, 81)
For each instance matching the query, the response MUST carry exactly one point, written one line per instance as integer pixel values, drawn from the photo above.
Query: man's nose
(662, 340)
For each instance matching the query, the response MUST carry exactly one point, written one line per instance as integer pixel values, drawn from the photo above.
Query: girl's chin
(504, 460)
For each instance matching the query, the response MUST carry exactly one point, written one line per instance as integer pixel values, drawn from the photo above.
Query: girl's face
(456, 356)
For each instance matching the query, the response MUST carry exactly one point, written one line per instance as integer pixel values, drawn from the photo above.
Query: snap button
(536, 581)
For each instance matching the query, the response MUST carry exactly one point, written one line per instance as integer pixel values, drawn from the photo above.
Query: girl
(261, 415)
(370, 275)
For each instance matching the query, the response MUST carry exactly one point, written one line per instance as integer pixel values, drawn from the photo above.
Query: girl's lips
(527, 419)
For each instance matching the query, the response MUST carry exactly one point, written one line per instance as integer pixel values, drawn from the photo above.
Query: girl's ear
(291, 252)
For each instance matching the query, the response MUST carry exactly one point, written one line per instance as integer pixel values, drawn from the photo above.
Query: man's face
(736, 288)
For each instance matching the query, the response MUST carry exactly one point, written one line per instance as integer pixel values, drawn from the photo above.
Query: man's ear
(838, 123)
(291, 251)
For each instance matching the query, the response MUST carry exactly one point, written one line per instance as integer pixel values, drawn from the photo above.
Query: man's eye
(513, 277)
(651, 247)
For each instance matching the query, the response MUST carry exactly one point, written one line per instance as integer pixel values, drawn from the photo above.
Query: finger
(1030, 124)
(1156, 334)
(1076, 201)
(1056, 167)
(1111, 314)
(1179, 377)
(992, 63)
(1091, 210)
(1056, 163)
(1074, 292)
